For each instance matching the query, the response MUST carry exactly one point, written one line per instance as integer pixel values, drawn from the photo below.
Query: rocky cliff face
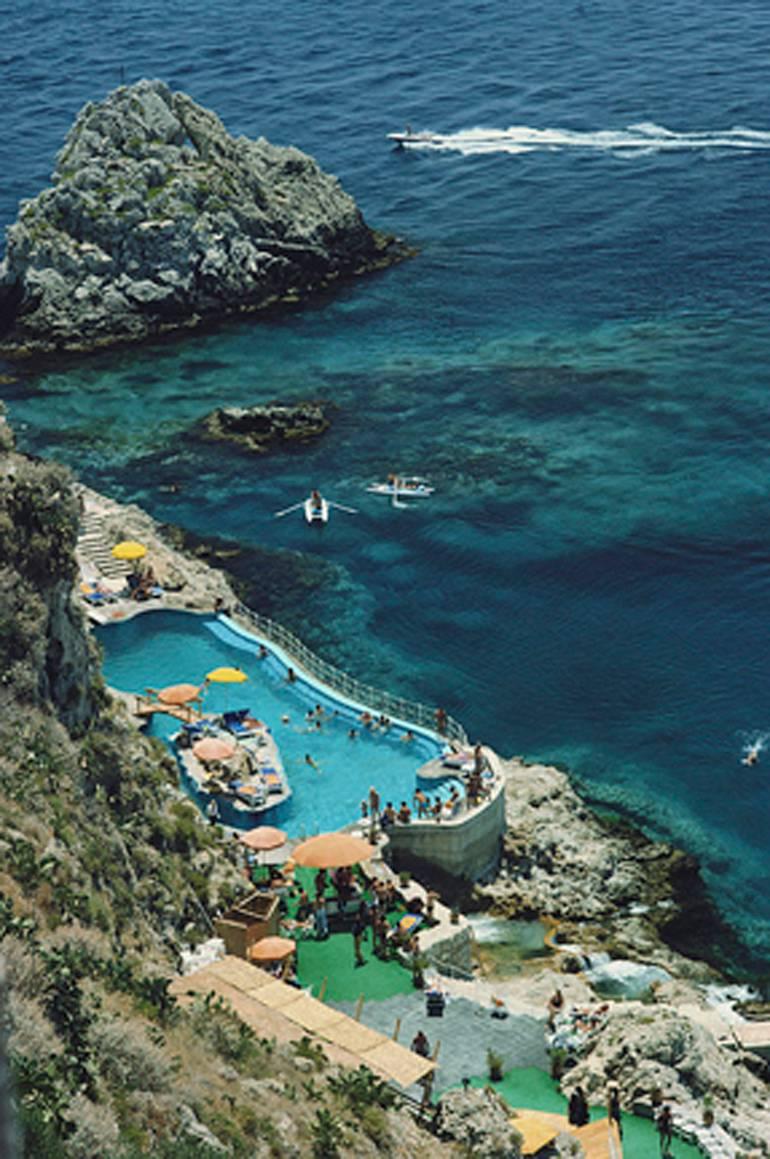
(605, 884)
(159, 219)
(45, 655)
(644, 1048)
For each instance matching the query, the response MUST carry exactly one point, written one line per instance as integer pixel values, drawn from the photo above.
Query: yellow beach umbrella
(129, 549)
(226, 676)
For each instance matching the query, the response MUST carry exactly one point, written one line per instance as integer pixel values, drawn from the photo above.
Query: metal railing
(410, 711)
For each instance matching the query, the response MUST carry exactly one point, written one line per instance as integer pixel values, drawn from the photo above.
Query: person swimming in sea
(752, 750)
(309, 761)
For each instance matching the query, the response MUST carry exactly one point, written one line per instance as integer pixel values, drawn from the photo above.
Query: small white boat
(316, 509)
(410, 138)
(403, 487)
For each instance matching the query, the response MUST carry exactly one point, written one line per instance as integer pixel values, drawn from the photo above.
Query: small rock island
(158, 219)
(260, 428)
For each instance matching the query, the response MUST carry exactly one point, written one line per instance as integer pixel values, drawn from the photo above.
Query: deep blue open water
(578, 358)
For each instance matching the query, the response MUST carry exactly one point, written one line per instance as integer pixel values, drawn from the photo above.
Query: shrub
(362, 1089)
(126, 1056)
(307, 1048)
(23, 969)
(95, 1133)
(327, 1135)
(495, 1064)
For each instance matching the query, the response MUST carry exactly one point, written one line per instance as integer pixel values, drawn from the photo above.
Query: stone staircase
(95, 546)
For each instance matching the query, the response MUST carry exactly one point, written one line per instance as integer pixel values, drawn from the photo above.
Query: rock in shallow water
(256, 428)
(158, 219)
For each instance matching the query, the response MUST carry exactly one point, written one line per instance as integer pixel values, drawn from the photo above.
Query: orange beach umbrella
(211, 748)
(263, 837)
(331, 850)
(272, 949)
(178, 693)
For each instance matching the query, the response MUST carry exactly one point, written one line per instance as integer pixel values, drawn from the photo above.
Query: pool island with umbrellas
(230, 761)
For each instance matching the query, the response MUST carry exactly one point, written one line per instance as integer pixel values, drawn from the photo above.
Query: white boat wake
(645, 137)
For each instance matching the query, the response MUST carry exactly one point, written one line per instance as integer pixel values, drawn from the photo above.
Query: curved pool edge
(289, 660)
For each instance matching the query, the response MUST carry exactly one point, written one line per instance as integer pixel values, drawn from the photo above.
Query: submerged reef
(158, 219)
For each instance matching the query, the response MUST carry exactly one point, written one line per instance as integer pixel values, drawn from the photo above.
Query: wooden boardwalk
(599, 1140)
(147, 706)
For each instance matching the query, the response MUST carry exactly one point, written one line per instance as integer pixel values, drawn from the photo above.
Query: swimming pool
(159, 648)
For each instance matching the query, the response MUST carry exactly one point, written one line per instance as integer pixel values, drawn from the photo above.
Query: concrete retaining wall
(467, 846)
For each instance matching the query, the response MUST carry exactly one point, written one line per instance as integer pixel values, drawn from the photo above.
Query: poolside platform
(465, 844)
(599, 1140)
(271, 1007)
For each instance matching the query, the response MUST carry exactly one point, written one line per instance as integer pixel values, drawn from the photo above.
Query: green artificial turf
(334, 960)
(533, 1089)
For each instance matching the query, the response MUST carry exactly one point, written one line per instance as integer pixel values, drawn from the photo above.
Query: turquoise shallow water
(577, 357)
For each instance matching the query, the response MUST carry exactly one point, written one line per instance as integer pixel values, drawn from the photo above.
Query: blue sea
(578, 358)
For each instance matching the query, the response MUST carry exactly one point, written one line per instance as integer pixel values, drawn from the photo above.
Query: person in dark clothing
(420, 1044)
(359, 929)
(578, 1108)
(615, 1114)
(665, 1128)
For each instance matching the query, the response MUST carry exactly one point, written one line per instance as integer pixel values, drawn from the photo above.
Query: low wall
(467, 846)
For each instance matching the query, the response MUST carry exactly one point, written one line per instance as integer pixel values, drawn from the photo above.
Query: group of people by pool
(422, 806)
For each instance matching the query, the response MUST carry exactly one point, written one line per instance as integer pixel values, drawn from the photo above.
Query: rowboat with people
(316, 508)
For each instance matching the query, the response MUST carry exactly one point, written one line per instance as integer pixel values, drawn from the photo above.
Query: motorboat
(403, 487)
(407, 137)
(316, 509)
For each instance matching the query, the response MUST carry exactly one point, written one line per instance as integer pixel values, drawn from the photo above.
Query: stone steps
(95, 547)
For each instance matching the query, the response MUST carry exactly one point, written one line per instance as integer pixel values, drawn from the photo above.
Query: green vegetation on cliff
(106, 873)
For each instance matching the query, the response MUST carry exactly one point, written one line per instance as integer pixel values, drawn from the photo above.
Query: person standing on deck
(320, 918)
(359, 929)
(665, 1128)
(614, 1112)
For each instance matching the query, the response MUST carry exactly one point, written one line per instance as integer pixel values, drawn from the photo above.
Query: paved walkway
(465, 1032)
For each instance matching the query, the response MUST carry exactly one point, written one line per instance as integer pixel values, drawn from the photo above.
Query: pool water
(160, 648)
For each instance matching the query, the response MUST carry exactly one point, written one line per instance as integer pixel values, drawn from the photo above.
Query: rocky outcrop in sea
(158, 219)
(258, 428)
